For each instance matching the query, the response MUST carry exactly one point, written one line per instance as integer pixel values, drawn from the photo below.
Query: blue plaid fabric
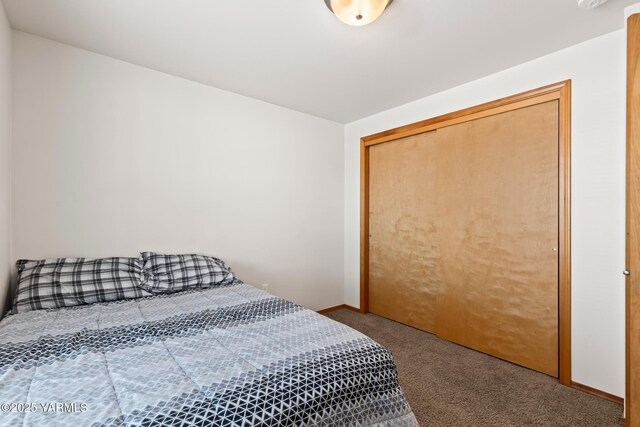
(175, 273)
(65, 282)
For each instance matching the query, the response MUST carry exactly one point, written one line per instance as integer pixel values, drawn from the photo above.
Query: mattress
(227, 356)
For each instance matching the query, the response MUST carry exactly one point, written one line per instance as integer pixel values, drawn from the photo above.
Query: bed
(226, 355)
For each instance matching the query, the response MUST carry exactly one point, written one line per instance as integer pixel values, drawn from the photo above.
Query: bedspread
(227, 356)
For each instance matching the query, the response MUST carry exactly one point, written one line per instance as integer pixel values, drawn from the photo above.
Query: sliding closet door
(403, 283)
(497, 221)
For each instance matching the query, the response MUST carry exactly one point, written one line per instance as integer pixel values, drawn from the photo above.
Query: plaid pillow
(65, 282)
(175, 273)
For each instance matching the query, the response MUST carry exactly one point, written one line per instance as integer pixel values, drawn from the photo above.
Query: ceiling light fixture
(590, 4)
(357, 12)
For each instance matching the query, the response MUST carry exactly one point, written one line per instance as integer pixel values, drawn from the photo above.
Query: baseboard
(598, 393)
(338, 307)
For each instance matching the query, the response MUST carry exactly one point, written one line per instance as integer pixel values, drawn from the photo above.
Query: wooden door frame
(632, 241)
(559, 91)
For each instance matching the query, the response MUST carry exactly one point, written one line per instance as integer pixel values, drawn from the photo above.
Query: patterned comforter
(225, 356)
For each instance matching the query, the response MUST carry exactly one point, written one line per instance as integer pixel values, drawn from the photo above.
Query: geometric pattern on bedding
(49, 348)
(291, 392)
(232, 356)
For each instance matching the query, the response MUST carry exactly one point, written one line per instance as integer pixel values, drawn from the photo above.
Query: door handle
(626, 272)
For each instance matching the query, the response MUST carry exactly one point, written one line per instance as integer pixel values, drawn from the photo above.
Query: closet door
(403, 283)
(497, 221)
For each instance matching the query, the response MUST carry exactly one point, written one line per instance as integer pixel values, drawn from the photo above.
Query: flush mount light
(590, 4)
(357, 12)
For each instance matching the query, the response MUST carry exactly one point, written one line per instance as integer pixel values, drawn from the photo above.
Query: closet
(466, 227)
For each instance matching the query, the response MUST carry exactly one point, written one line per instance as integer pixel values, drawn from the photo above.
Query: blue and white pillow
(66, 282)
(175, 273)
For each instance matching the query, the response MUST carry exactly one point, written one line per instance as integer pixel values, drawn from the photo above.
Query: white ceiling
(295, 53)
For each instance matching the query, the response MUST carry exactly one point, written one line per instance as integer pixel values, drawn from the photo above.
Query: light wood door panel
(633, 223)
(498, 235)
(403, 284)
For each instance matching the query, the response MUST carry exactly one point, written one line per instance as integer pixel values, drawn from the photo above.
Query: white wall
(596, 68)
(5, 158)
(112, 158)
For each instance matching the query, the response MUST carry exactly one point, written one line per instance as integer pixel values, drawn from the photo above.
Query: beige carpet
(450, 385)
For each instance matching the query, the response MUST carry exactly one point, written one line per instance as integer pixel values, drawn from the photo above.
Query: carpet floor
(450, 385)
